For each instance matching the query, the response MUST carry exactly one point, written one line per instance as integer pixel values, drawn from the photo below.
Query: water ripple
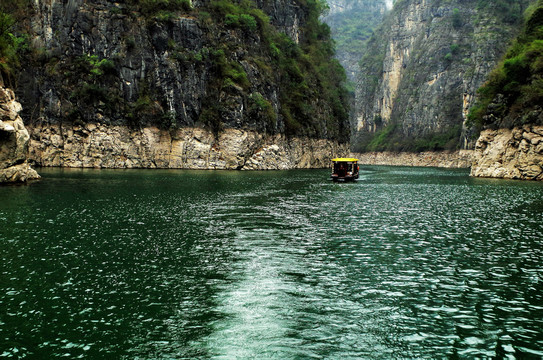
(407, 263)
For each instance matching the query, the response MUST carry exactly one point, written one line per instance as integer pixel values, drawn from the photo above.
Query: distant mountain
(352, 23)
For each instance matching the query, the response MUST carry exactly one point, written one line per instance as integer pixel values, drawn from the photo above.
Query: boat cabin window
(342, 168)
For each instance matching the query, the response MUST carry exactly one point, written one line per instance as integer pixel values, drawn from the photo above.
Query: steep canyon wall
(422, 69)
(352, 23)
(124, 79)
(509, 109)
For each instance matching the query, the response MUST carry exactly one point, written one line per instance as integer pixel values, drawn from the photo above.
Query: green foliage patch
(310, 80)
(508, 11)
(261, 108)
(390, 138)
(516, 82)
(230, 72)
(242, 15)
(10, 45)
(244, 21)
(456, 19)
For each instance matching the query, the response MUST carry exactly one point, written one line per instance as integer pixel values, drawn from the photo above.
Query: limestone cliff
(13, 141)
(216, 68)
(117, 146)
(423, 68)
(460, 159)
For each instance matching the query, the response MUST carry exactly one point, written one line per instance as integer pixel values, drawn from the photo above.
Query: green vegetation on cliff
(11, 44)
(390, 138)
(513, 94)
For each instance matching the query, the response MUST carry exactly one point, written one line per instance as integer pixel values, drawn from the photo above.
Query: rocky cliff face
(214, 64)
(510, 153)
(176, 67)
(13, 141)
(508, 109)
(423, 68)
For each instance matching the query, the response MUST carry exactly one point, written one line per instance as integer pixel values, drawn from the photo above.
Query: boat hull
(343, 178)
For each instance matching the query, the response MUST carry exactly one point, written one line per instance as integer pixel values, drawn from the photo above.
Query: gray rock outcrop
(14, 140)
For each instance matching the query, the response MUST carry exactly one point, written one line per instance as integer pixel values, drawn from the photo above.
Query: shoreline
(460, 159)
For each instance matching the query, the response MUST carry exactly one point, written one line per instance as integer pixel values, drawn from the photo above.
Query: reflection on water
(405, 263)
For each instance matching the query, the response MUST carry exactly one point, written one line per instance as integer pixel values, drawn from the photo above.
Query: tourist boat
(344, 169)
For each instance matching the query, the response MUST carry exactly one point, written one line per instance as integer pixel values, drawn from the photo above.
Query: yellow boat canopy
(344, 160)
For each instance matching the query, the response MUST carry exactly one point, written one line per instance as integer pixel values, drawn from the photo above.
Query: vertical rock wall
(100, 69)
(162, 69)
(352, 22)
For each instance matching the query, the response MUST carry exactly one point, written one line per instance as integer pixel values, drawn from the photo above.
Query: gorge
(227, 85)
(422, 69)
(107, 259)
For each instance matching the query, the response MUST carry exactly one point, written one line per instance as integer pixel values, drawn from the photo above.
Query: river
(406, 263)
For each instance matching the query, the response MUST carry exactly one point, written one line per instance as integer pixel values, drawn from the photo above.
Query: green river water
(407, 263)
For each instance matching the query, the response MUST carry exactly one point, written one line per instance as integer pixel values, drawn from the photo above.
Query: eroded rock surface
(424, 65)
(510, 153)
(114, 146)
(13, 141)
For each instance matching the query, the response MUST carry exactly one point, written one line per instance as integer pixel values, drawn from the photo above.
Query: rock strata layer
(444, 159)
(116, 146)
(13, 141)
(510, 153)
